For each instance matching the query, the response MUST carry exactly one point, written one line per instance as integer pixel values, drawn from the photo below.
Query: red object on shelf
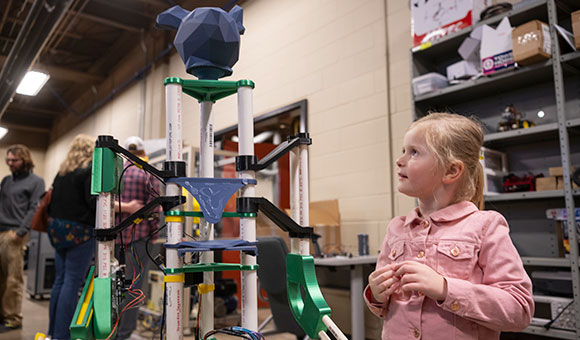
(513, 183)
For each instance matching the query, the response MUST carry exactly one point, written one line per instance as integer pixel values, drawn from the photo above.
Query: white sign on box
(496, 47)
(433, 19)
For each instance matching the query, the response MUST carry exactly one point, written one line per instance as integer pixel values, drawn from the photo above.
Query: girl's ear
(453, 172)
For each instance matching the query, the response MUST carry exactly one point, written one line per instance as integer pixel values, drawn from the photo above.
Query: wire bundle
(236, 331)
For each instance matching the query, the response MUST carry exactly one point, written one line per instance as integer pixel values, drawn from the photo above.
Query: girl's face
(418, 171)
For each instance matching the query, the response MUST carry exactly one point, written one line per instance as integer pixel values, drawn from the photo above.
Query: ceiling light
(3, 132)
(32, 83)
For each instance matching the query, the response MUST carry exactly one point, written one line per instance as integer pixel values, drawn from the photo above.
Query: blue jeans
(71, 266)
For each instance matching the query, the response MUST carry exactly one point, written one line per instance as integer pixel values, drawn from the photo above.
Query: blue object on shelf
(239, 245)
(212, 194)
(207, 39)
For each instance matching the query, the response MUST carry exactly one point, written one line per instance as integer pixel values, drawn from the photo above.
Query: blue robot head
(207, 39)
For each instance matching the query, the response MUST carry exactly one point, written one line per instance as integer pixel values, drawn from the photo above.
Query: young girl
(447, 270)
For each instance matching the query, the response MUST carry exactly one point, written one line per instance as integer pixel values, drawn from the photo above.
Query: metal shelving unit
(550, 333)
(546, 261)
(551, 86)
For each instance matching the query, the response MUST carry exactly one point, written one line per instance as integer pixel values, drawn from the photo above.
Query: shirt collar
(447, 214)
(20, 175)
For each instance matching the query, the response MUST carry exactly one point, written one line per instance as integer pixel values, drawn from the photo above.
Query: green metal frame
(84, 330)
(308, 312)
(106, 171)
(103, 324)
(209, 90)
(210, 267)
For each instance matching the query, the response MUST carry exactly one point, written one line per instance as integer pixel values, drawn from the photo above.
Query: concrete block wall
(399, 44)
(332, 53)
(349, 59)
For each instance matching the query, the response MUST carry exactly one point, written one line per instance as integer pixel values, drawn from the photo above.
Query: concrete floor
(36, 320)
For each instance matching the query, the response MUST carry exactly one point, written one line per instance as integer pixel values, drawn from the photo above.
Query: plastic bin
(494, 165)
(429, 82)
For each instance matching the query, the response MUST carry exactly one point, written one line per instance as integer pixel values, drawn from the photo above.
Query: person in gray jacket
(19, 195)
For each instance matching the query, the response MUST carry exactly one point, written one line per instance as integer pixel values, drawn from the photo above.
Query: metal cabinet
(553, 87)
(40, 273)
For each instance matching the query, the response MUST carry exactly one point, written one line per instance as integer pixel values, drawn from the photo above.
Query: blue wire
(245, 330)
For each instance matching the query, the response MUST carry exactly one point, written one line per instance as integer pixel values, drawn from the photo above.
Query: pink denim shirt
(488, 290)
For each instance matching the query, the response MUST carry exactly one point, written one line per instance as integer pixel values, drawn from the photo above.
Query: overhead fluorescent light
(3, 132)
(32, 83)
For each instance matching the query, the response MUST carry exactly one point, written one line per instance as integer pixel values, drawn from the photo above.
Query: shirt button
(455, 251)
(416, 333)
(421, 254)
(393, 253)
(419, 293)
(425, 223)
(454, 306)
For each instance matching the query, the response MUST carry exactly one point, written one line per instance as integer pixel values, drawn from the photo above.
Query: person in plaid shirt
(138, 189)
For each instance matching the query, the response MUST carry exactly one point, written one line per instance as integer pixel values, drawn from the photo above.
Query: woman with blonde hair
(70, 226)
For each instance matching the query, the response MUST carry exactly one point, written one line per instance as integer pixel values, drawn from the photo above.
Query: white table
(357, 303)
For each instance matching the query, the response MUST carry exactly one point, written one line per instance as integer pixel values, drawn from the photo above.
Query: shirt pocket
(455, 259)
(397, 251)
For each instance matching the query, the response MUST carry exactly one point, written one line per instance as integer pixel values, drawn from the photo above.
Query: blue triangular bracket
(212, 193)
(191, 246)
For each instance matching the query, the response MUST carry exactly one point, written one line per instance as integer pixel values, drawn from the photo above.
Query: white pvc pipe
(323, 335)
(333, 328)
(173, 152)
(173, 121)
(206, 170)
(104, 220)
(304, 191)
(304, 195)
(299, 199)
(247, 224)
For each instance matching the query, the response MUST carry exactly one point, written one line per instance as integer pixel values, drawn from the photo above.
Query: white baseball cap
(134, 143)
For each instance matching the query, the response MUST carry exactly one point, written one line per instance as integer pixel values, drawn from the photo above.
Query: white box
(469, 49)
(429, 82)
(495, 168)
(476, 33)
(496, 47)
(559, 214)
(433, 19)
(462, 70)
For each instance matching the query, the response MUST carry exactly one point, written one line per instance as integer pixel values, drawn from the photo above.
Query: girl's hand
(383, 283)
(415, 276)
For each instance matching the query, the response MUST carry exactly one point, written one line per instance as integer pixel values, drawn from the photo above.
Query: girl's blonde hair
(452, 137)
(79, 154)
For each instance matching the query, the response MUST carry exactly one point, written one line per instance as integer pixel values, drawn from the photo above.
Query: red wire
(138, 294)
(198, 317)
(139, 298)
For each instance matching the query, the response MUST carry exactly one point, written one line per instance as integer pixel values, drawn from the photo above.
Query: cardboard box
(559, 215)
(546, 183)
(496, 47)
(558, 171)
(339, 302)
(531, 43)
(431, 20)
(560, 183)
(576, 27)
(325, 220)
